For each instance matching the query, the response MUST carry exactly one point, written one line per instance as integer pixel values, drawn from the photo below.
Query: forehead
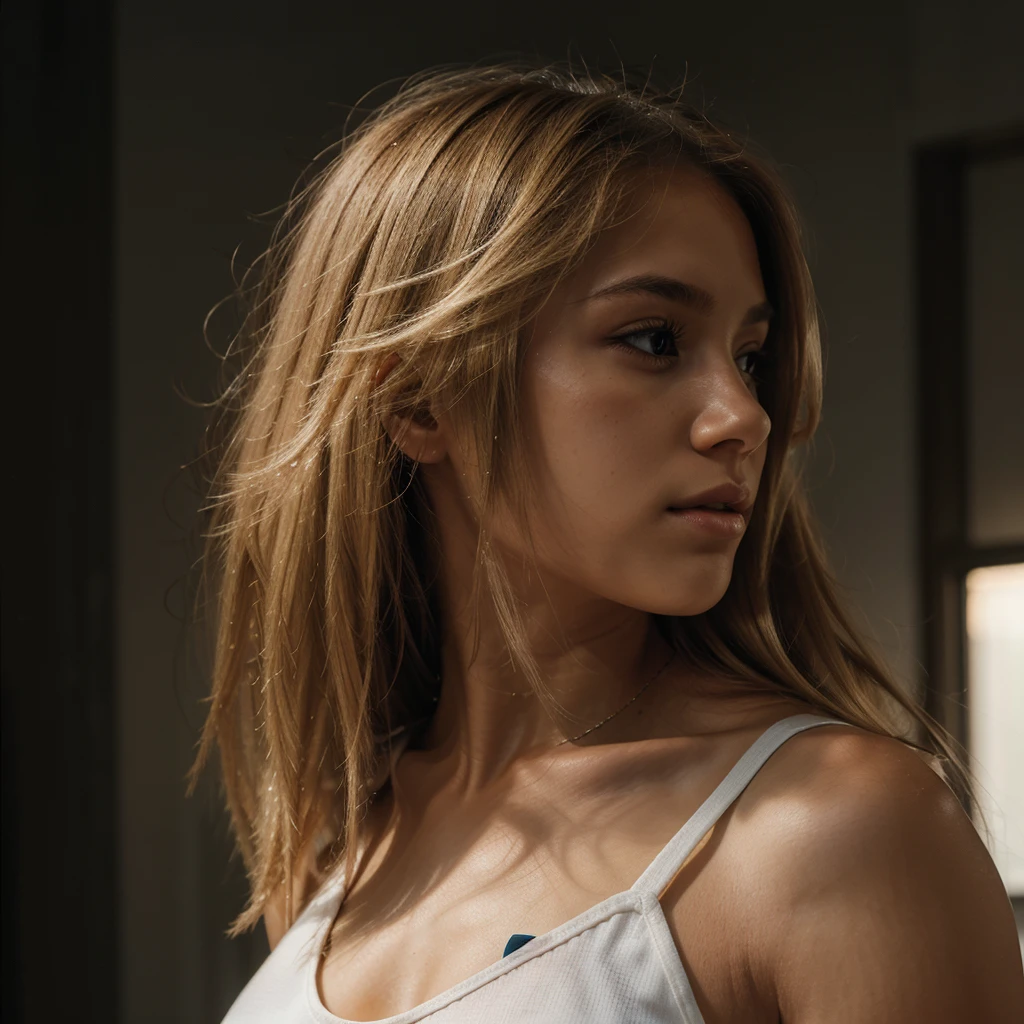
(680, 224)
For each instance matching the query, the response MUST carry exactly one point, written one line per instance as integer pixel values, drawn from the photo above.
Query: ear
(414, 430)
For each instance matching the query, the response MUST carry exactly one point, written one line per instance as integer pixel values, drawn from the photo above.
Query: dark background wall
(217, 107)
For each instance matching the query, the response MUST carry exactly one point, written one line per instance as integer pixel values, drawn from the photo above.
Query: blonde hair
(444, 221)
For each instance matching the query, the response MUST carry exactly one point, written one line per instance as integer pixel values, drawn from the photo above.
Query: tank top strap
(666, 865)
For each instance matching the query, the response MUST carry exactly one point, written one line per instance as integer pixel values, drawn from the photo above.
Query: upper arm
(885, 903)
(305, 880)
(274, 917)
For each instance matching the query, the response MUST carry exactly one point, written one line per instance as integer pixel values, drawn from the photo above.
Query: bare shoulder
(305, 881)
(878, 899)
(274, 920)
(865, 788)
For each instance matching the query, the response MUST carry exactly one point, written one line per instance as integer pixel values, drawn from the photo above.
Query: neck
(592, 655)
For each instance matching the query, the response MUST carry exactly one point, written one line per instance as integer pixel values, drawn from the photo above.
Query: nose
(730, 420)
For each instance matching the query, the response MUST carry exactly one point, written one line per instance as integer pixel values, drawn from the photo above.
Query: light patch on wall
(995, 639)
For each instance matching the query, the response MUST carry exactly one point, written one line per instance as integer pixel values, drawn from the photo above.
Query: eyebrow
(691, 295)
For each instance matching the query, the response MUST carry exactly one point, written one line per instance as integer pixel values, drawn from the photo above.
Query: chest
(437, 907)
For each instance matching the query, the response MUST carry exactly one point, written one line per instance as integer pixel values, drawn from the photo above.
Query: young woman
(533, 697)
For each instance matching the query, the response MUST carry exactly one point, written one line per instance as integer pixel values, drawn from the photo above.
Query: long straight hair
(442, 224)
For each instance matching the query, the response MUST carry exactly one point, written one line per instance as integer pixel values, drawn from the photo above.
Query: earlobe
(418, 435)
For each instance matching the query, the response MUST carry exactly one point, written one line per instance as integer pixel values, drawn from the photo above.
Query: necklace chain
(586, 732)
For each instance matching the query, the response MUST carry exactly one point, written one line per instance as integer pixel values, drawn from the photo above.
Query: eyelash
(757, 356)
(647, 328)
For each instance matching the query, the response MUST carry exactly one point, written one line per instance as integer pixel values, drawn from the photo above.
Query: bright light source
(995, 653)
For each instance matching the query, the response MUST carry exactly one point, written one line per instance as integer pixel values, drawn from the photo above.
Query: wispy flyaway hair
(437, 231)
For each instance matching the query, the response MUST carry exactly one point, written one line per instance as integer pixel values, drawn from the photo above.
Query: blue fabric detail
(515, 942)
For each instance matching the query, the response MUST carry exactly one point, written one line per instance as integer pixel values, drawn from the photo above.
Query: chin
(682, 608)
(684, 594)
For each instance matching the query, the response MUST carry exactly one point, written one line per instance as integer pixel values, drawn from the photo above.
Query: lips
(724, 498)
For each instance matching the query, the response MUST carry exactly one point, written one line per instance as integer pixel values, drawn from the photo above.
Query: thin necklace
(586, 732)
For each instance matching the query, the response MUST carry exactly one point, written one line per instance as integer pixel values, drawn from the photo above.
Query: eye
(752, 363)
(656, 340)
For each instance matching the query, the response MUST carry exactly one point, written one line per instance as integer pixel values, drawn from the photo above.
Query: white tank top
(615, 963)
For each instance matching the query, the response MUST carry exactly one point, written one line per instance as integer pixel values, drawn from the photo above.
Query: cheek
(604, 456)
(598, 452)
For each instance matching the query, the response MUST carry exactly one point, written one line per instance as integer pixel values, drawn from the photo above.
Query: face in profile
(645, 437)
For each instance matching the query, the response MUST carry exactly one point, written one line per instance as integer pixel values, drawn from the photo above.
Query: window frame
(946, 553)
